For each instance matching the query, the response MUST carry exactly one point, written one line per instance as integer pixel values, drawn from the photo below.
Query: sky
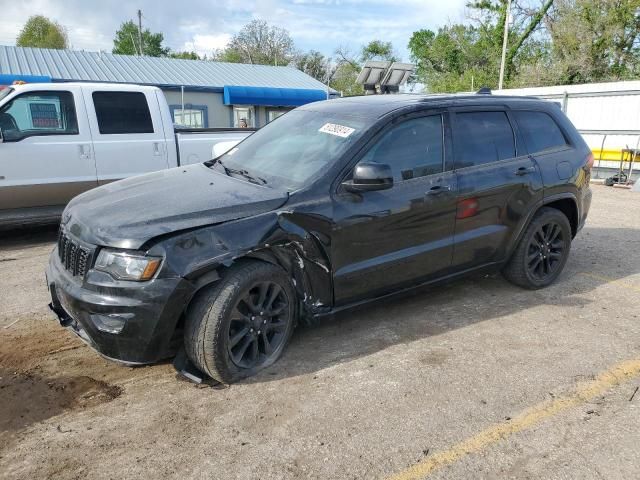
(205, 25)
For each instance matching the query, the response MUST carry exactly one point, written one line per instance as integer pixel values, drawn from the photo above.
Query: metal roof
(72, 65)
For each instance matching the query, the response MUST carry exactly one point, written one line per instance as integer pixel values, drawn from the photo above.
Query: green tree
(594, 40)
(465, 56)
(343, 79)
(259, 43)
(457, 58)
(490, 16)
(40, 32)
(126, 41)
(312, 63)
(228, 55)
(378, 50)
(185, 55)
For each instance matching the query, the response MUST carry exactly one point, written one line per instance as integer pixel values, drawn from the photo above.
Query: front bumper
(151, 309)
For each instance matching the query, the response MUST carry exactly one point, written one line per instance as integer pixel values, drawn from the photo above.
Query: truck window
(38, 113)
(483, 137)
(540, 131)
(122, 112)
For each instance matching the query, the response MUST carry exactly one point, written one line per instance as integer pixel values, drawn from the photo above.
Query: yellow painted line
(611, 280)
(618, 374)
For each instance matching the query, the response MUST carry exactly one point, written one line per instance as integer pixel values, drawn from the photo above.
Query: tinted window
(540, 131)
(412, 148)
(39, 113)
(483, 137)
(122, 112)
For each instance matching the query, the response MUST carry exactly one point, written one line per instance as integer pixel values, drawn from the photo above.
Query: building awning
(8, 79)
(276, 97)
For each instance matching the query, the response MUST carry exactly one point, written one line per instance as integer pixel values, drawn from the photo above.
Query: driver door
(390, 239)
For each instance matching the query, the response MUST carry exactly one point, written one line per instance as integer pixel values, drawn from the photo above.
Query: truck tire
(542, 252)
(242, 324)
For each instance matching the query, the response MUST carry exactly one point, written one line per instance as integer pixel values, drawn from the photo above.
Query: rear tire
(542, 251)
(242, 324)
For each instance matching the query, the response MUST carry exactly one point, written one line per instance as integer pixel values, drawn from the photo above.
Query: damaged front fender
(298, 242)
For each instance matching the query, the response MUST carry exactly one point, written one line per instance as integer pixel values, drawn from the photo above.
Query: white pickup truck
(59, 139)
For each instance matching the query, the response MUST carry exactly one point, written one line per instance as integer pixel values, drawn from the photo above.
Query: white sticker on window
(338, 130)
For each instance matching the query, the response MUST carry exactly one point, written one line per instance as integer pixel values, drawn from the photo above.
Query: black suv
(332, 205)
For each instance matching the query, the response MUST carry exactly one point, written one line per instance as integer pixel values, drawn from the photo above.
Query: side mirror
(368, 177)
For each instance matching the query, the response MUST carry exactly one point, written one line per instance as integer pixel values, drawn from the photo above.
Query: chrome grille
(73, 256)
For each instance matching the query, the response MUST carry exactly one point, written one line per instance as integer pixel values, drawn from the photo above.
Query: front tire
(242, 324)
(542, 251)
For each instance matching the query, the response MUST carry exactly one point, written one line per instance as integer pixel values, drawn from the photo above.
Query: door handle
(156, 148)
(525, 170)
(438, 189)
(2, 177)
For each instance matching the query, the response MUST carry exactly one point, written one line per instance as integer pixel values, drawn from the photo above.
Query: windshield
(290, 151)
(4, 91)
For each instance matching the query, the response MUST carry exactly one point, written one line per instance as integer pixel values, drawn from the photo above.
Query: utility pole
(140, 30)
(504, 43)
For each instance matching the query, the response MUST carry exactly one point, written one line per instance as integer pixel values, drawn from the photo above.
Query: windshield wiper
(252, 178)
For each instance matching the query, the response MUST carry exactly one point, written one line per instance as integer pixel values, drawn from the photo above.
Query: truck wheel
(542, 252)
(242, 324)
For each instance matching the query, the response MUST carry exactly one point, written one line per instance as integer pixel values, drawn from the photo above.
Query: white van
(60, 139)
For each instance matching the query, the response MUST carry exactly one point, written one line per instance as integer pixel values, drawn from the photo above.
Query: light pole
(504, 44)
(140, 30)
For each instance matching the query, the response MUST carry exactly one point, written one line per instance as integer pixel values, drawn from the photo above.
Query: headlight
(127, 266)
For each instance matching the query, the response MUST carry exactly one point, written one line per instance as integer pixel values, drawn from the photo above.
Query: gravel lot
(477, 379)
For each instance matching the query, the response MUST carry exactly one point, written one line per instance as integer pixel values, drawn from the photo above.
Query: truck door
(127, 132)
(46, 157)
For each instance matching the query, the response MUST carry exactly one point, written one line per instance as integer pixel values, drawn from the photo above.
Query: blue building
(200, 93)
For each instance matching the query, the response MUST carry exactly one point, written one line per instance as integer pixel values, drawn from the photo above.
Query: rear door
(389, 239)
(498, 185)
(46, 157)
(127, 130)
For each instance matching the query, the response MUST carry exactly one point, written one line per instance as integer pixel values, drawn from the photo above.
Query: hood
(130, 212)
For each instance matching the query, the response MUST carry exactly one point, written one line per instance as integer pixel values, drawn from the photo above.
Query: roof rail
(484, 91)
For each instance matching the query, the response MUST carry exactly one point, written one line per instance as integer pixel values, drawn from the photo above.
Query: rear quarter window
(540, 131)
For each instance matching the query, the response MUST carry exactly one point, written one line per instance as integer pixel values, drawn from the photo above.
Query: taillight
(589, 162)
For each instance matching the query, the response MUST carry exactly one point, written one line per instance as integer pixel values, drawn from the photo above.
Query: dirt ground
(476, 379)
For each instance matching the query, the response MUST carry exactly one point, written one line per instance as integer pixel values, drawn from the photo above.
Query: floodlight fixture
(384, 76)
(372, 74)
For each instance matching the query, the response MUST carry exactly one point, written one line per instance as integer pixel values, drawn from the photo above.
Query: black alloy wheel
(542, 251)
(242, 323)
(259, 324)
(546, 250)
